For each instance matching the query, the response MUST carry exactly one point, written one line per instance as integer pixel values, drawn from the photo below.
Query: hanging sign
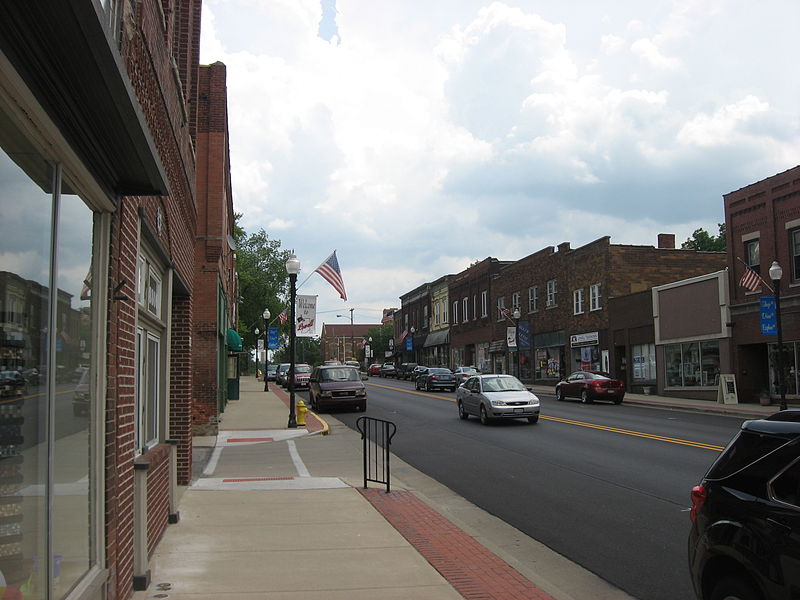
(769, 310)
(272, 338)
(305, 315)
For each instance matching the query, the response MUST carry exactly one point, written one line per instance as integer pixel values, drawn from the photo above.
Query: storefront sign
(584, 339)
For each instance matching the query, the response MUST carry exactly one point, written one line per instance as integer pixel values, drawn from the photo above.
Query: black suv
(745, 538)
(404, 370)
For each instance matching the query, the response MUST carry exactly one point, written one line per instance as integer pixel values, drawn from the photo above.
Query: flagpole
(314, 271)
(759, 275)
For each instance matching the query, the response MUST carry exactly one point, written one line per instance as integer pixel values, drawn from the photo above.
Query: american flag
(331, 273)
(283, 317)
(750, 279)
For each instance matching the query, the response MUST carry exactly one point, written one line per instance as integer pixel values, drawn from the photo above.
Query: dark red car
(590, 386)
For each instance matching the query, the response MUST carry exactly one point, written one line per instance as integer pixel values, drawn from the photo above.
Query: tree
(380, 340)
(263, 281)
(702, 240)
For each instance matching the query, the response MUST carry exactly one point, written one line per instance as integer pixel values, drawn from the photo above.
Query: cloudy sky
(415, 137)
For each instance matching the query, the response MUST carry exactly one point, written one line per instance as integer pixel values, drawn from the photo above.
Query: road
(606, 486)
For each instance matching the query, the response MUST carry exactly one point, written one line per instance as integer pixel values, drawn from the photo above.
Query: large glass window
(46, 351)
(644, 362)
(692, 364)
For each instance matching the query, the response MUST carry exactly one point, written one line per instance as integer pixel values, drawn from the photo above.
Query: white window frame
(465, 308)
(577, 301)
(533, 299)
(595, 299)
(455, 313)
(436, 315)
(484, 303)
(552, 293)
(475, 307)
(501, 306)
(515, 301)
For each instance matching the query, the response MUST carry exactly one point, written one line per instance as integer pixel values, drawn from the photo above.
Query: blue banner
(409, 343)
(272, 338)
(524, 335)
(769, 309)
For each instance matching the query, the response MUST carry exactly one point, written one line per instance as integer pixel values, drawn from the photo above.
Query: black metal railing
(377, 435)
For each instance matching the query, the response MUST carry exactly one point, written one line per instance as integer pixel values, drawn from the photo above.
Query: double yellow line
(649, 436)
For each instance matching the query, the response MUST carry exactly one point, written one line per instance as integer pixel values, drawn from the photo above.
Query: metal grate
(377, 435)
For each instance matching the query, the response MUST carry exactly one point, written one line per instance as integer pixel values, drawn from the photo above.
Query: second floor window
(795, 242)
(595, 299)
(501, 307)
(752, 255)
(474, 307)
(436, 314)
(551, 292)
(455, 313)
(465, 306)
(577, 301)
(515, 301)
(533, 299)
(484, 304)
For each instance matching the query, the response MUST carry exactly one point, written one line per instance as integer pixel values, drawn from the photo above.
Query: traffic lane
(613, 503)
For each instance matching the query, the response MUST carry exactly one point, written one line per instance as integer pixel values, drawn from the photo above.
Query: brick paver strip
(468, 566)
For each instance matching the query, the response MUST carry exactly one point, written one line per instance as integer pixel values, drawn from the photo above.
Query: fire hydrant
(301, 412)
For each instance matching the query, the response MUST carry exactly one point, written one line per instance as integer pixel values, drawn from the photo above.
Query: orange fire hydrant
(301, 412)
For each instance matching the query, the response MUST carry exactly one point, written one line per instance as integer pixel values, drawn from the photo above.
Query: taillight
(699, 495)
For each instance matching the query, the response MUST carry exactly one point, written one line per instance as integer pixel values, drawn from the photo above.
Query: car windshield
(345, 374)
(302, 369)
(597, 376)
(502, 384)
(439, 370)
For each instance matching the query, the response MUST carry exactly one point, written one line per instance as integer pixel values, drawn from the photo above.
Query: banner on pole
(306, 316)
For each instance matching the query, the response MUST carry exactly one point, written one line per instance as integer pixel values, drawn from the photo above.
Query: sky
(417, 137)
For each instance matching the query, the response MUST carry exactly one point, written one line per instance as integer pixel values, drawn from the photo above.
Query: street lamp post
(293, 268)
(257, 332)
(352, 337)
(517, 316)
(775, 273)
(266, 316)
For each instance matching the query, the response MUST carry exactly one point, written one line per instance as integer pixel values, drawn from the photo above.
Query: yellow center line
(650, 436)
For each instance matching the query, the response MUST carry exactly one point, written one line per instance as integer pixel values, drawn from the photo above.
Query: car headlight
(324, 394)
(534, 400)
(498, 403)
(361, 392)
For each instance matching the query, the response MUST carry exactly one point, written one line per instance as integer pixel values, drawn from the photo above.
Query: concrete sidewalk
(279, 514)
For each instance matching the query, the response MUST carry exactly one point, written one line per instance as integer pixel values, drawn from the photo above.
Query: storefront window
(692, 364)
(644, 362)
(790, 375)
(46, 496)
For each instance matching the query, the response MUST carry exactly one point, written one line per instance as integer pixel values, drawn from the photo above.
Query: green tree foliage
(263, 281)
(308, 351)
(702, 240)
(380, 341)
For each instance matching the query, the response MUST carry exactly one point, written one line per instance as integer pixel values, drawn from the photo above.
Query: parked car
(388, 370)
(80, 398)
(271, 370)
(463, 373)
(744, 542)
(405, 370)
(302, 373)
(590, 386)
(374, 369)
(337, 386)
(490, 397)
(418, 370)
(353, 363)
(281, 373)
(12, 383)
(435, 378)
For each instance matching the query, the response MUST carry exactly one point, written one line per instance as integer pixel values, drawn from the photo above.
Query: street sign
(769, 323)
(272, 338)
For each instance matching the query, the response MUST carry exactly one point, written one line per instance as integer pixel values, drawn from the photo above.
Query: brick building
(471, 314)
(98, 119)
(763, 226)
(343, 342)
(412, 324)
(216, 285)
(562, 294)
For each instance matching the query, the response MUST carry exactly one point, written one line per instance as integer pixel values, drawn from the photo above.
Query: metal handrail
(377, 435)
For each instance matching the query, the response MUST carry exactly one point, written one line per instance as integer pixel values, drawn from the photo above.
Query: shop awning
(234, 341)
(437, 338)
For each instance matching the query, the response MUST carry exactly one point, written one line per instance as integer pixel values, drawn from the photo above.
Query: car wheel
(733, 588)
(559, 394)
(362, 407)
(427, 387)
(462, 413)
(585, 397)
(484, 416)
(533, 419)
(416, 385)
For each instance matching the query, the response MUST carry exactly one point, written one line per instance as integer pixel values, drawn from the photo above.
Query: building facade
(97, 129)
(344, 342)
(763, 226)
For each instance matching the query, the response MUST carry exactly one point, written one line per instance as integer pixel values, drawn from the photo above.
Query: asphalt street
(606, 486)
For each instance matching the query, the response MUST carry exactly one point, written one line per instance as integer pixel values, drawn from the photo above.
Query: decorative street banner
(306, 316)
(511, 337)
(524, 335)
(769, 323)
(272, 338)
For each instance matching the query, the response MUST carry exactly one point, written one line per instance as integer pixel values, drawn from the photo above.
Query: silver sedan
(492, 397)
